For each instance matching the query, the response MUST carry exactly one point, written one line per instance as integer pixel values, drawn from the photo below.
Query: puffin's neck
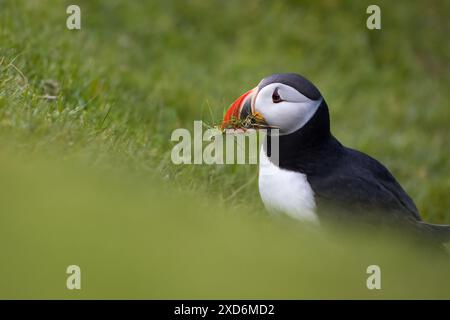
(303, 149)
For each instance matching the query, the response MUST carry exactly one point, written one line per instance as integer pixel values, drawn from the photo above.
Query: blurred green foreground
(85, 123)
(146, 241)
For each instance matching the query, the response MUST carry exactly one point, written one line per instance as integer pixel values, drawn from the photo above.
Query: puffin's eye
(276, 97)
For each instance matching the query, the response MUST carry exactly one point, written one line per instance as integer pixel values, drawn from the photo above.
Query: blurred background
(85, 122)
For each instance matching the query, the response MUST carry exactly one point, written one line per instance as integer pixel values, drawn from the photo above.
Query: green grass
(87, 179)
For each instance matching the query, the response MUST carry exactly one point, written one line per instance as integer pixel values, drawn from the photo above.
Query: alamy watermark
(73, 21)
(374, 280)
(73, 281)
(213, 146)
(374, 20)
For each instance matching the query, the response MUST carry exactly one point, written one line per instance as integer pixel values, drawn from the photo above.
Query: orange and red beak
(240, 110)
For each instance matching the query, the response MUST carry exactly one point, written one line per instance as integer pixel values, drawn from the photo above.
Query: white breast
(284, 191)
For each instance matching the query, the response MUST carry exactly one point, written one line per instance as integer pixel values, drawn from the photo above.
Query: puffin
(315, 178)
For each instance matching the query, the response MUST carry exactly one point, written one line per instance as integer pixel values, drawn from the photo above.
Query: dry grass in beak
(252, 121)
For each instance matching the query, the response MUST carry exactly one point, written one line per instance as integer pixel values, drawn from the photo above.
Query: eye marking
(276, 97)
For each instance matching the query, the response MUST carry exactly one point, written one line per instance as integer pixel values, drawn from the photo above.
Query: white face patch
(289, 115)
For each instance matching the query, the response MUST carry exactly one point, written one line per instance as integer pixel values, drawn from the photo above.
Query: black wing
(360, 184)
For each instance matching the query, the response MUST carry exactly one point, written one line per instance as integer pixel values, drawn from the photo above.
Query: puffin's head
(285, 101)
